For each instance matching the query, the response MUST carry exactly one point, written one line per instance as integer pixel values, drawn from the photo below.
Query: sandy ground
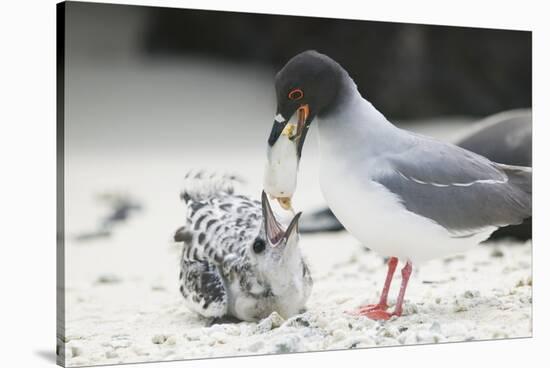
(136, 128)
(123, 305)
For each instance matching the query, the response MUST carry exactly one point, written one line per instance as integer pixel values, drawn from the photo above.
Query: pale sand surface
(123, 304)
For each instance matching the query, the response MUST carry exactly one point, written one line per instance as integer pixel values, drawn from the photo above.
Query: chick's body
(228, 265)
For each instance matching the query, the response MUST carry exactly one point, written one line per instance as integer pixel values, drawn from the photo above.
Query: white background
(27, 181)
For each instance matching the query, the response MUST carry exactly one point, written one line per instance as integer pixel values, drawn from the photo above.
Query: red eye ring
(295, 94)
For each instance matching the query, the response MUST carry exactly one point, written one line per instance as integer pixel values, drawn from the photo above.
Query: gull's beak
(284, 152)
(273, 230)
(296, 130)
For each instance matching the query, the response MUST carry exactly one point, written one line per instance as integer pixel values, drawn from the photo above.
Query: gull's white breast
(369, 211)
(375, 217)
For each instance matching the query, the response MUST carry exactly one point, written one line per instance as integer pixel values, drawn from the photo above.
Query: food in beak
(285, 203)
(280, 175)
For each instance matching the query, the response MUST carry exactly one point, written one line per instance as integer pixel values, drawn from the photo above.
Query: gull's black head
(308, 86)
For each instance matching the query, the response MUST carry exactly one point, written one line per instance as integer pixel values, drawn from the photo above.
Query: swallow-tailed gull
(404, 195)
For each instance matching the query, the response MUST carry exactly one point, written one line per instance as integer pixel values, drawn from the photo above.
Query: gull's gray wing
(458, 189)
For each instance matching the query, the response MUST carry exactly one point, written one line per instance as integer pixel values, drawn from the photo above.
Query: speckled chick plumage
(229, 264)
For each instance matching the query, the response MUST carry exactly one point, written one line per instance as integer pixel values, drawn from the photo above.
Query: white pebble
(171, 340)
(424, 336)
(118, 344)
(435, 327)
(338, 335)
(340, 323)
(255, 347)
(111, 354)
(274, 320)
(76, 349)
(219, 337)
(407, 338)
(193, 335)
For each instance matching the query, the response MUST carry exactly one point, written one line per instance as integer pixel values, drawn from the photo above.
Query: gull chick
(238, 260)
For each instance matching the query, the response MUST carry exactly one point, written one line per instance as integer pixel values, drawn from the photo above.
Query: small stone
(289, 344)
(298, 321)
(410, 308)
(140, 351)
(389, 331)
(255, 347)
(111, 354)
(120, 344)
(424, 336)
(76, 350)
(338, 335)
(469, 294)
(193, 335)
(168, 353)
(361, 342)
(108, 279)
(273, 321)
(340, 323)
(208, 340)
(232, 330)
(220, 337)
(407, 338)
(524, 282)
(159, 339)
(435, 327)
(500, 335)
(171, 340)
(497, 253)
(460, 308)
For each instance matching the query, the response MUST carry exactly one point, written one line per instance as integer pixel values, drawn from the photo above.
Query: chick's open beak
(273, 230)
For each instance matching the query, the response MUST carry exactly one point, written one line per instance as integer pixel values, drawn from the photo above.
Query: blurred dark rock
(408, 71)
(120, 208)
(506, 138)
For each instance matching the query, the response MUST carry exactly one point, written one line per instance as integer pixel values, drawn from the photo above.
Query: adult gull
(404, 195)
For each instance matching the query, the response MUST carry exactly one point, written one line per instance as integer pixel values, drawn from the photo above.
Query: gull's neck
(356, 126)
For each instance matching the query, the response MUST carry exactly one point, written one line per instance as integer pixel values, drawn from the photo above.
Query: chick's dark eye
(258, 246)
(295, 94)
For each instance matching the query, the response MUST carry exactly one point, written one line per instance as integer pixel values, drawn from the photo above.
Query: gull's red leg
(383, 303)
(405, 273)
(380, 314)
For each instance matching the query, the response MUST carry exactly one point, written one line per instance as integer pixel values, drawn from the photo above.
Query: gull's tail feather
(200, 185)
(520, 177)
